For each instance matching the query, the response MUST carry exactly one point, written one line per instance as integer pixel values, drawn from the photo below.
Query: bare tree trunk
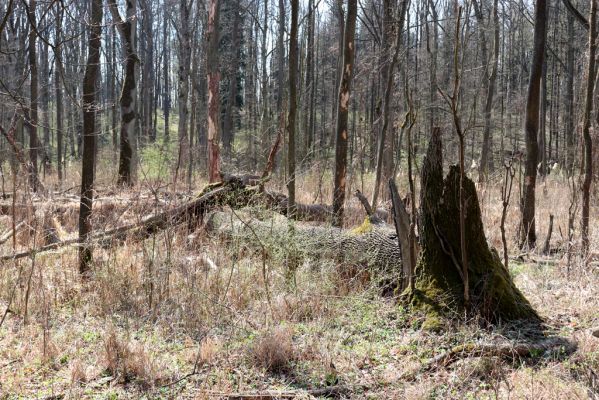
(228, 134)
(387, 106)
(281, 56)
(58, 71)
(486, 162)
(148, 71)
(264, 90)
(45, 100)
(90, 105)
(342, 113)
(588, 141)
(311, 90)
(291, 120)
(166, 95)
(127, 30)
(32, 120)
(183, 86)
(528, 234)
(213, 78)
(569, 115)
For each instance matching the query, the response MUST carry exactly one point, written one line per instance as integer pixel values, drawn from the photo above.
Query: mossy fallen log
(371, 245)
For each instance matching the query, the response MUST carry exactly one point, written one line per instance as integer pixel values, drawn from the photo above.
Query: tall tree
(90, 106)
(183, 85)
(343, 112)
(291, 123)
(32, 120)
(58, 71)
(490, 77)
(528, 232)
(382, 139)
(213, 78)
(166, 95)
(586, 134)
(127, 30)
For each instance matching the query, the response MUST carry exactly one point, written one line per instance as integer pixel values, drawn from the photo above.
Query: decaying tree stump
(439, 283)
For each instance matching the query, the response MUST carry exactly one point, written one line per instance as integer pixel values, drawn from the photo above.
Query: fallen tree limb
(329, 391)
(143, 229)
(557, 346)
(8, 234)
(233, 192)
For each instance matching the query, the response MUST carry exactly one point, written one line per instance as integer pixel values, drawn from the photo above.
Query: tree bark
(32, 120)
(58, 71)
(183, 84)
(343, 112)
(528, 235)
(90, 105)
(586, 135)
(387, 107)
(213, 78)
(439, 288)
(486, 162)
(127, 30)
(166, 95)
(291, 123)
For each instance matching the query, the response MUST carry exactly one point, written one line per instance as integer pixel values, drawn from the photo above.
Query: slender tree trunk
(588, 141)
(148, 70)
(32, 120)
(229, 123)
(90, 105)
(281, 57)
(309, 108)
(127, 31)
(166, 95)
(58, 70)
(342, 113)
(183, 86)
(528, 233)
(486, 164)
(264, 90)
(387, 106)
(569, 115)
(542, 137)
(213, 77)
(291, 120)
(45, 100)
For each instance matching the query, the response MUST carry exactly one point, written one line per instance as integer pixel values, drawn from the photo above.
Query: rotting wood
(557, 346)
(372, 246)
(547, 246)
(402, 228)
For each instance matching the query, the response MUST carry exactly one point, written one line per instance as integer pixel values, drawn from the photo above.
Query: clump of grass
(129, 362)
(273, 350)
(78, 374)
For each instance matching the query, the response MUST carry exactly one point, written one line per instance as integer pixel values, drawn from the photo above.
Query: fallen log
(146, 227)
(370, 245)
(553, 346)
(11, 232)
(232, 192)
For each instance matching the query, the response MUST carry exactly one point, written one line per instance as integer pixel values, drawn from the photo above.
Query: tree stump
(439, 284)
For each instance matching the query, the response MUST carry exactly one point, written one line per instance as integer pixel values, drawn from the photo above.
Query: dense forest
(249, 199)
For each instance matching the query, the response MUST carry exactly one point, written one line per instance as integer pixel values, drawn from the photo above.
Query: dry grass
(158, 310)
(273, 350)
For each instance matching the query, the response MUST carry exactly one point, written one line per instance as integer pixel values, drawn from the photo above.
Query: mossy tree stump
(439, 288)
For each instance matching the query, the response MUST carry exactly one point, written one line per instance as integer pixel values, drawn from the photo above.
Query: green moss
(366, 226)
(439, 287)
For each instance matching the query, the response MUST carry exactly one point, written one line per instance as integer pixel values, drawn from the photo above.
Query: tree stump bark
(439, 283)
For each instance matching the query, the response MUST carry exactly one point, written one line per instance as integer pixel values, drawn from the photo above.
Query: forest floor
(184, 315)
